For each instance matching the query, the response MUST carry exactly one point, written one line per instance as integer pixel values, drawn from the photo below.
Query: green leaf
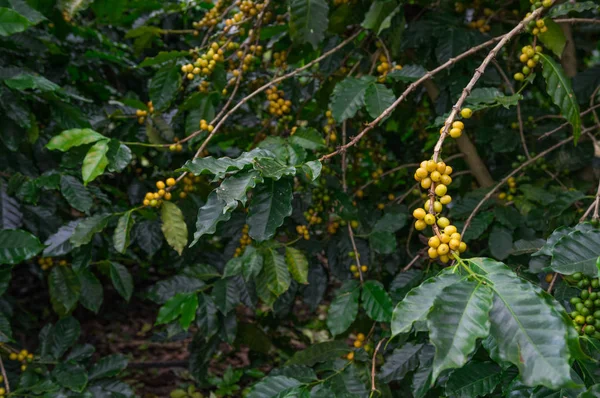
(312, 169)
(5, 329)
(421, 379)
(460, 315)
(163, 56)
(308, 21)
(400, 362)
(75, 193)
(500, 242)
(271, 204)
(376, 301)
(221, 166)
(122, 231)
(408, 73)
(60, 337)
(343, 308)
(320, 352)
(64, 289)
(213, 212)
(12, 22)
(475, 379)
(225, 295)
(558, 86)
(11, 216)
(173, 226)
(451, 43)
(533, 340)
(564, 8)
(59, 243)
(119, 156)
(577, 252)
(271, 386)
(273, 168)
(274, 274)
(71, 375)
(72, 138)
(382, 242)
(164, 86)
(109, 366)
(418, 301)
(554, 38)
(378, 98)
(95, 161)
(121, 279)
(27, 11)
(25, 81)
(308, 138)
(92, 294)
(380, 14)
(234, 189)
(17, 245)
(87, 228)
(182, 305)
(297, 264)
(349, 96)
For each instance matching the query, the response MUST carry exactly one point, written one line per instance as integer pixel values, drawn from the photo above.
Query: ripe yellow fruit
(441, 189)
(171, 181)
(431, 166)
(419, 213)
(426, 183)
(445, 199)
(421, 172)
(350, 356)
(160, 185)
(450, 229)
(357, 343)
(429, 219)
(443, 222)
(432, 252)
(454, 244)
(458, 125)
(445, 238)
(364, 268)
(353, 268)
(444, 259)
(441, 167)
(446, 179)
(443, 249)
(420, 225)
(466, 113)
(360, 337)
(435, 176)
(434, 242)
(448, 170)
(455, 133)
(462, 247)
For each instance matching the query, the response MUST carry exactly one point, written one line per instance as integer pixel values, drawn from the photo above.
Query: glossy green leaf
(421, 379)
(12, 22)
(11, 216)
(308, 138)
(380, 14)
(349, 96)
(164, 86)
(382, 242)
(400, 362)
(460, 316)
(308, 21)
(173, 226)
(553, 38)
(182, 305)
(319, 352)
(71, 375)
(297, 264)
(234, 189)
(563, 9)
(500, 242)
(122, 231)
(60, 337)
(87, 228)
(272, 386)
(225, 295)
(273, 168)
(408, 73)
(476, 379)
(75, 193)
(108, 366)
(376, 301)
(213, 212)
(121, 279)
(17, 245)
(271, 204)
(65, 289)
(72, 138)
(577, 252)
(92, 293)
(220, 167)
(312, 169)
(95, 161)
(377, 99)
(558, 86)
(274, 274)
(162, 57)
(418, 301)
(343, 308)
(119, 156)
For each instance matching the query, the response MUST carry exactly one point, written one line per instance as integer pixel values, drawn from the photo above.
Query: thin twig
(403, 96)
(562, 126)
(577, 20)
(519, 118)
(412, 262)
(4, 376)
(512, 173)
(373, 363)
(552, 282)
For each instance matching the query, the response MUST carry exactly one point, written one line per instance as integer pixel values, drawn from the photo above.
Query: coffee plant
(300, 198)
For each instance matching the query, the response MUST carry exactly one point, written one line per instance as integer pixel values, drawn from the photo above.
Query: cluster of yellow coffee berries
(154, 199)
(142, 114)
(481, 25)
(302, 230)
(329, 128)
(312, 217)
(333, 227)
(448, 240)
(355, 272)
(204, 86)
(359, 341)
(248, 58)
(23, 356)
(205, 63)
(279, 59)
(529, 56)
(176, 146)
(205, 126)
(384, 67)
(188, 184)
(277, 104)
(456, 130)
(245, 240)
(47, 262)
(211, 18)
(512, 189)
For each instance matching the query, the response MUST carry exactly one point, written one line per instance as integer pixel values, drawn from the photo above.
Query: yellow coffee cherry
(446, 180)
(171, 181)
(434, 242)
(429, 219)
(462, 247)
(454, 244)
(421, 172)
(432, 252)
(357, 343)
(445, 199)
(426, 183)
(443, 249)
(364, 268)
(420, 225)
(435, 176)
(444, 259)
(353, 268)
(445, 238)
(455, 133)
(466, 113)
(448, 170)
(431, 166)
(458, 125)
(450, 229)
(419, 213)
(443, 222)
(440, 190)
(350, 356)
(360, 337)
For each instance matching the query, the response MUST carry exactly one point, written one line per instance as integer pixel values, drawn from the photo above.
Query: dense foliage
(360, 198)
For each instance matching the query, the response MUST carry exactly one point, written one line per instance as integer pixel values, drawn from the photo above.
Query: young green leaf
(182, 305)
(297, 264)
(553, 38)
(558, 86)
(460, 315)
(72, 138)
(173, 226)
(95, 161)
(213, 212)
